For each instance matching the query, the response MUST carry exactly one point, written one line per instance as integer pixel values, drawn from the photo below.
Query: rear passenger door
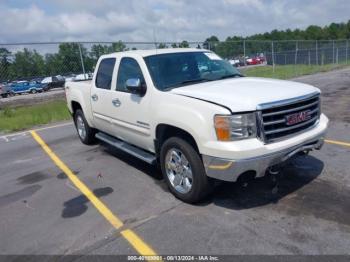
(100, 95)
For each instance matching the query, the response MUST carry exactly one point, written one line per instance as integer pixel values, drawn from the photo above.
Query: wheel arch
(166, 131)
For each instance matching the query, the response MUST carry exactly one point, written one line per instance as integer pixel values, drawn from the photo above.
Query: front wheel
(183, 170)
(85, 132)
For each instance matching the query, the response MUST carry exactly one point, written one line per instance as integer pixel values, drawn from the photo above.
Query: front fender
(191, 115)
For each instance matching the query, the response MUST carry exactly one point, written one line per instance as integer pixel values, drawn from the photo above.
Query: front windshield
(179, 69)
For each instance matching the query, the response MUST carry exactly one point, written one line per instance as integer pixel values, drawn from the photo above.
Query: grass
(289, 71)
(20, 118)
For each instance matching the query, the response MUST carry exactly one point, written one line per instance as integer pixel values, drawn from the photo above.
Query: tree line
(29, 63)
(285, 40)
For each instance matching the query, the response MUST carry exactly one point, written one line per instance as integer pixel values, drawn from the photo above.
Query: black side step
(130, 149)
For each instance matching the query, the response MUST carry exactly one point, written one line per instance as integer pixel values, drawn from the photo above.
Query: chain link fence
(281, 59)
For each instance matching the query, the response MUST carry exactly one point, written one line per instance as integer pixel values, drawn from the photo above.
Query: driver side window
(128, 68)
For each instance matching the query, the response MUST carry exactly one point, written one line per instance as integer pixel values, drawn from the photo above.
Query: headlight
(235, 127)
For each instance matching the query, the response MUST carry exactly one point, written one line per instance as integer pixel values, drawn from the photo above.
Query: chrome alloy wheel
(178, 170)
(81, 127)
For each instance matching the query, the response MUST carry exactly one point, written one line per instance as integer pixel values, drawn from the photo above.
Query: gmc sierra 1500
(195, 115)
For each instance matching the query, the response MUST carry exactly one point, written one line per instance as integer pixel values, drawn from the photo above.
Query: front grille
(273, 118)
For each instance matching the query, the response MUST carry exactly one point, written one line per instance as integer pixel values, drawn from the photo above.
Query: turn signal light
(222, 128)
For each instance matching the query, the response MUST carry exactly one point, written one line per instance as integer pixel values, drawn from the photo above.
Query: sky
(165, 21)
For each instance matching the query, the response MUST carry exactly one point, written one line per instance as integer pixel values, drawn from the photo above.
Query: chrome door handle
(94, 97)
(116, 102)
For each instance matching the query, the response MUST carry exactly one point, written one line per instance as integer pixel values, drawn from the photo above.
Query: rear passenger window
(105, 73)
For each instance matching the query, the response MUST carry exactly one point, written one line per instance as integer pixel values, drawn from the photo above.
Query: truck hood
(245, 93)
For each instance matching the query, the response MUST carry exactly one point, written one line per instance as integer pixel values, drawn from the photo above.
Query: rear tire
(85, 132)
(183, 171)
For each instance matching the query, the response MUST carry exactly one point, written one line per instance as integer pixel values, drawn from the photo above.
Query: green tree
(118, 47)
(28, 64)
(162, 46)
(184, 44)
(211, 43)
(5, 65)
(69, 58)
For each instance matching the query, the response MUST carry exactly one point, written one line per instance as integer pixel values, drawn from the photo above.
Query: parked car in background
(237, 62)
(4, 90)
(54, 81)
(253, 61)
(69, 78)
(81, 77)
(37, 82)
(21, 87)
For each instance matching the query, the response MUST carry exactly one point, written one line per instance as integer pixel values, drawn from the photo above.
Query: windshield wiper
(231, 75)
(186, 82)
(198, 80)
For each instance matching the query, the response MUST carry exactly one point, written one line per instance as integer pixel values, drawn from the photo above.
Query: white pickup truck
(196, 116)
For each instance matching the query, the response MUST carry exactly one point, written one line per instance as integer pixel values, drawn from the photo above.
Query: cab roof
(150, 52)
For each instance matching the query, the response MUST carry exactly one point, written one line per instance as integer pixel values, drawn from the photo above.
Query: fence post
(316, 53)
(346, 51)
(337, 58)
(296, 52)
(81, 60)
(333, 53)
(273, 57)
(245, 61)
(296, 58)
(309, 59)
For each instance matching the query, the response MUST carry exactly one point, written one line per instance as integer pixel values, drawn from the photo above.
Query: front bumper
(230, 170)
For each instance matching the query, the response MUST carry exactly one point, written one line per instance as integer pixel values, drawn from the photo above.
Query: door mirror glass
(135, 86)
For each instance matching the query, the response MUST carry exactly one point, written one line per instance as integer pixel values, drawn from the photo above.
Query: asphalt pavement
(43, 211)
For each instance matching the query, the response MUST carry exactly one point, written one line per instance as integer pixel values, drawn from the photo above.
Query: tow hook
(274, 172)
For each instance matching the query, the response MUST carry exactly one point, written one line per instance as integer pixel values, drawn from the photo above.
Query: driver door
(130, 118)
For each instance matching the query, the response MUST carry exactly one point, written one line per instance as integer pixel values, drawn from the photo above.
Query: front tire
(183, 170)
(85, 132)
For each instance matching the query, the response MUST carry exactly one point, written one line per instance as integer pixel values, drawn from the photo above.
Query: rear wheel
(85, 132)
(183, 170)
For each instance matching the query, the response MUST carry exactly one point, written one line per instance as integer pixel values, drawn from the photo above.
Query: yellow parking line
(337, 142)
(140, 246)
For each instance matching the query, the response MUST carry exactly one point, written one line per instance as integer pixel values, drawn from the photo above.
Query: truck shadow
(260, 191)
(294, 176)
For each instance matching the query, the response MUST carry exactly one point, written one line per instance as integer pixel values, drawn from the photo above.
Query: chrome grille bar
(272, 117)
(291, 127)
(291, 110)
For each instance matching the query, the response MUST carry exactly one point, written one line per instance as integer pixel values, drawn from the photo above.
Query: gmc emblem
(296, 118)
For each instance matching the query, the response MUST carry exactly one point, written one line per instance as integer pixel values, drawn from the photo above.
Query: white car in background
(81, 77)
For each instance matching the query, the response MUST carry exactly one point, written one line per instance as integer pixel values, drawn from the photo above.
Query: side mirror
(135, 86)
